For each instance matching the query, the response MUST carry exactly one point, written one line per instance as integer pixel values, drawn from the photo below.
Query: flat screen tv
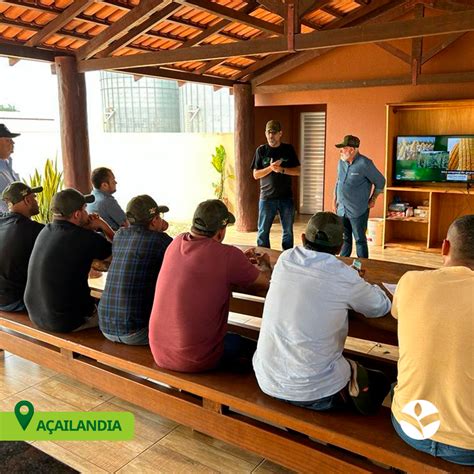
(434, 158)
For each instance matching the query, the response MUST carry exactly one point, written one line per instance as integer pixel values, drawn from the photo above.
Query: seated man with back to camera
(435, 312)
(57, 294)
(137, 255)
(305, 324)
(188, 324)
(18, 233)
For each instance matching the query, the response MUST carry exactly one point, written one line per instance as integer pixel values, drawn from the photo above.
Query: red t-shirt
(189, 316)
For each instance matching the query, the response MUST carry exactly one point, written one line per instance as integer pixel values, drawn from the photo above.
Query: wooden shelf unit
(445, 202)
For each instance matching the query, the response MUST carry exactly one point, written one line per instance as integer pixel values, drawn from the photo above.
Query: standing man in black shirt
(18, 233)
(57, 293)
(273, 164)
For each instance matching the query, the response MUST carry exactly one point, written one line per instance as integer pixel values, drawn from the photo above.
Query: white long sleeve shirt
(305, 324)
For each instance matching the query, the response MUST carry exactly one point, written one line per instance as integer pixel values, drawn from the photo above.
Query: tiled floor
(160, 445)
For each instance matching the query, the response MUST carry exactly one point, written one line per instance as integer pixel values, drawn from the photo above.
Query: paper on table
(391, 287)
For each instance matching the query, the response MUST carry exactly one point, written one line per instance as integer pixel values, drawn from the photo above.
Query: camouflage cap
(325, 228)
(17, 191)
(212, 215)
(142, 209)
(349, 140)
(273, 126)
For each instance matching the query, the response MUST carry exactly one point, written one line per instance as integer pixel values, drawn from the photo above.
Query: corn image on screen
(438, 158)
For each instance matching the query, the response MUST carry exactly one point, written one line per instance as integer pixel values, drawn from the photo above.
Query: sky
(30, 87)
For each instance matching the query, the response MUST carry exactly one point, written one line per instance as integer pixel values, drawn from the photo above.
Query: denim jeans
(358, 227)
(323, 404)
(17, 306)
(238, 352)
(267, 210)
(440, 450)
(139, 338)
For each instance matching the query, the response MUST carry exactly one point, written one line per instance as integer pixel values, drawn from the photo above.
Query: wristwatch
(283, 170)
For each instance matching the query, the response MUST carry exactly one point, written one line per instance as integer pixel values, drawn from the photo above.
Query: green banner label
(26, 424)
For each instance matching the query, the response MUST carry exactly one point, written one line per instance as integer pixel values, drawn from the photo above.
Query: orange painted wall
(361, 111)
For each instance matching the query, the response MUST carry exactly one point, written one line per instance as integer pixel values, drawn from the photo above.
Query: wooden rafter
(417, 47)
(378, 10)
(118, 29)
(138, 30)
(15, 50)
(274, 6)
(61, 20)
(432, 26)
(178, 75)
(423, 79)
(394, 51)
(233, 15)
(448, 40)
(448, 5)
(307, 6)
(214, 29)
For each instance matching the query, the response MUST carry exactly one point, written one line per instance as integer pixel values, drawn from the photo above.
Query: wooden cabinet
(445, 202)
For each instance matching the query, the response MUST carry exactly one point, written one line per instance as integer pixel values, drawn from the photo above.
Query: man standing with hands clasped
(273, 164)
(358, 184)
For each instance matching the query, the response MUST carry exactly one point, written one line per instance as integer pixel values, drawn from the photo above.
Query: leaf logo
(424, 419)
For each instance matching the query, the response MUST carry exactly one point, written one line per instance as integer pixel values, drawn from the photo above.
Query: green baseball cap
(273, 126)
(325, 228)
(69, 200)
(142, 209)
(17, 191)
(212, 215)
(349, 140)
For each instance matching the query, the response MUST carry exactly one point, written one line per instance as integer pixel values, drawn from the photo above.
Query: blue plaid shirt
(137, 255)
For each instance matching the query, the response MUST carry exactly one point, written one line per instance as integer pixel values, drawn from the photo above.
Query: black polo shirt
(17, 237)
(275, 185)
(57, 294)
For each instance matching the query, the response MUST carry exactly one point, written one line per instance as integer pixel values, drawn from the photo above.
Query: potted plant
(219, 159)
(52, 182)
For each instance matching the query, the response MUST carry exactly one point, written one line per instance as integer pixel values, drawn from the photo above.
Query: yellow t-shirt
(435, 312)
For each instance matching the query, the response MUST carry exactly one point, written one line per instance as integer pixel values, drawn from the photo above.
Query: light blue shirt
(354, 186)
(305, 324)
(108, 208)
(7, 176)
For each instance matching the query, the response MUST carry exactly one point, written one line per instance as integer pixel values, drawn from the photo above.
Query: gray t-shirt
(108, 208)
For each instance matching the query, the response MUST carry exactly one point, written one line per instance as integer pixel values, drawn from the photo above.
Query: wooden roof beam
(163, 73)
(449, 5)
(376, 11)
(274, 6)
(233, 15)
(447, 41)
(134, 33)
(15, 50)
(387, 31)
(308, 6)
(438, 78)
(61, 20)
(133, 18)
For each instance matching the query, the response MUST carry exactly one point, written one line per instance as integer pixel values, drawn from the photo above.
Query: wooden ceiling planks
(109, 30)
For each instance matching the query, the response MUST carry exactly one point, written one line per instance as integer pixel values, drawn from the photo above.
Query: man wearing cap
(305, 322)
(7, 175)
(273, 164)
(105, 185)
(358, 184)
(57, 294)
(188, 323)
(137, 255)
(18, 233)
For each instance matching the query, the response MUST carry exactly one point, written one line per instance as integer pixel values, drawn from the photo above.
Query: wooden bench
(227, 406)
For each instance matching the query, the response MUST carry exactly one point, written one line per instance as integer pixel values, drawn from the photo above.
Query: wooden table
(383, 330)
